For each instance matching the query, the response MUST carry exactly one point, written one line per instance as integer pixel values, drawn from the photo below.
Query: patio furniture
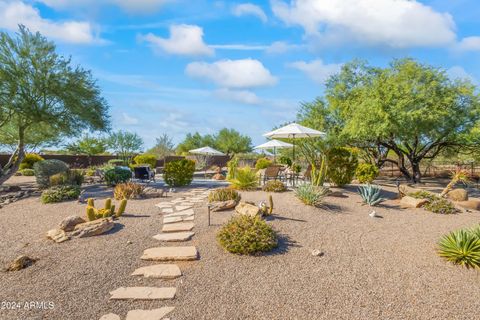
(144, 173)
(271, 173)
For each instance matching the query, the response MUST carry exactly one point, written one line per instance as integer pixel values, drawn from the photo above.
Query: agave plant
(460, 247)
(371, 194)
(310, 194)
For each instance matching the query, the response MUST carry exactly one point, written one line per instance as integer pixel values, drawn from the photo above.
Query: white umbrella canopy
(274, 144)
(209, 151)
(294, 130)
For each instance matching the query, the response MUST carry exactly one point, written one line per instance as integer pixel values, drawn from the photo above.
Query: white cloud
(14, 13)
(396, 23)
(131, 6)
(279, 47)
(316, 69)
(469, 44)
(184, 40)
(128, 120)
(458, 72)
(242, 96)
(244, 73)
(241, 47)
(244, 9)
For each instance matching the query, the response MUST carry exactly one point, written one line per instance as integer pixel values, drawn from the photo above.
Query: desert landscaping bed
(369, 268)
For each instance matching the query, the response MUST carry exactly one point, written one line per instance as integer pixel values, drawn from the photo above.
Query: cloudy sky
(179, 66)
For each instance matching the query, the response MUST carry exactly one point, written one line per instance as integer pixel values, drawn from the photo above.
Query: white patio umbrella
(274, 144)
(206, 151)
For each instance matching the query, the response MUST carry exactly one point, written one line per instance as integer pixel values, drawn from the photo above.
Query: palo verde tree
(125, 144)
(43, 97)
(409, 109)
(229, 141)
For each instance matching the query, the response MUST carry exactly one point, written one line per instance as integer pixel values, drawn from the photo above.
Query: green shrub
(146, 158)
(60, 193)
(366, 172)
(311, 195)
(262, 163)
(29, 160)
(116, 162)
(341, 165)
(422, 195)
(247, 235)
(90, 172)
(47, 168)
(460, 247)
(246, 179)
(71, 177)
(179, 172)
(370, 194)
(441, 206)
(116, 175)
(223, 194)
(232, 166)
(27, 172)
(274, 186)
(285, 160)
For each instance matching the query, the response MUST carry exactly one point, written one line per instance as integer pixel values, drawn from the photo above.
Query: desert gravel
(371, 268)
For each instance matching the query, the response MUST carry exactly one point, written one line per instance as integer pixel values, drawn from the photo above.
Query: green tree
(125, 144)
(163, 146)
(195, 141)
(230, 141)
(43, 97)
(88, 145)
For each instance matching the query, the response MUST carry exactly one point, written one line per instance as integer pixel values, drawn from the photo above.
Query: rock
(317, 253)
(218, 176)
(151, 193)
(222, 205)
(188, 212)
(154, 314)
(180, 226)
(248, 209)
(458, 195)
(93, 228)
(143, 293)
(69, 223)
(182, 208)
(470, 204)
(170, 253)
(110, 316)
(174, 236)
(411, 202)
(405, 189)
(20, 263)
(57, 235)
(160, 271)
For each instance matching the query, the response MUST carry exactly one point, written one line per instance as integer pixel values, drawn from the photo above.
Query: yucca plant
(311, 195)
(245, 179)
(460, 247)
(370, 194)
(459, 175)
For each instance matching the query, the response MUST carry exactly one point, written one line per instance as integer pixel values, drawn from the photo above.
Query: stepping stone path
(176, 214)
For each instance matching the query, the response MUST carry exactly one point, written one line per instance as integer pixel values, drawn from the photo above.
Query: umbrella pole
(274, 155)
(294, 173)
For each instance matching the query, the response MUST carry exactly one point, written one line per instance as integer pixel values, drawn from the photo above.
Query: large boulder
(470, 204)
(93, 228)
(69, 223)
(218, 176)
(150, 193)
(248, 209)
(411, 202)
(458, 195)
(222, 205)
(405, 189)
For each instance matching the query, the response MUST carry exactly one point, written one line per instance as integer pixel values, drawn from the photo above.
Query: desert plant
(274, 186)
(107, 211)
(371, 194)
(262, 163)
(440, 205)
(116, 175)
(70, 177)
(29, 160)
(223, 194)
(232, 166)
(460, 247)
(267, 210)
(27, 172)
(60, 193)
(318, 172)
(146, 158)
(285, 160)
(366, 172)
(47, 168)
(245, 179)
(179, 172)
(422, 195)
(459, 175)
(341, 165)
(247, 235)
(128, 190)
(310, 194)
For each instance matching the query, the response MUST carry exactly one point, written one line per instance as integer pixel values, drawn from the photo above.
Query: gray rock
(69, 223)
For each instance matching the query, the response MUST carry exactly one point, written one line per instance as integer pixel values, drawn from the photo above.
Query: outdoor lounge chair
(271, 173)
(144, 173)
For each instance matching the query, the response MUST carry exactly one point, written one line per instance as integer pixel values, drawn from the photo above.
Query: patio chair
(307, 175)
(271, 173)
(144, 173)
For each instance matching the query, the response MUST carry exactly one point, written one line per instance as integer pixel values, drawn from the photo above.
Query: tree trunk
(9, 171)
(416, 173)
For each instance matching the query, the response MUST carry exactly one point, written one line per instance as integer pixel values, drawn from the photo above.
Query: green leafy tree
(195, 141)
(125, 144)
(230, 141)
(88, 145)
(163, 146)
(43, 97)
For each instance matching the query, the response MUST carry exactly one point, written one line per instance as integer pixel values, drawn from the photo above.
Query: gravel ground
(383, 268)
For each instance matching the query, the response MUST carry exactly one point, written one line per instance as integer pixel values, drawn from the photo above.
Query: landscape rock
(110, 316)
(218, 176)
(411, 202)
(470, 204)
(20, 263)
(222, 205)
(179, 226)
(154, 314)
(143, 293)
(150, 193)
(57, 235)
(93, 228)
(317, 253)
(458, 195)
(160, 271)
(170, 253)
(69, 223)
(248, 209)
(405, 189)
(174, 236)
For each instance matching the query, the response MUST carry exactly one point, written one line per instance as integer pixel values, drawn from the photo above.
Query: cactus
(108, 211)
(91, 213)
(121, 208)
(112, 210)
(90, 202)
(108, 203)
(270, 208)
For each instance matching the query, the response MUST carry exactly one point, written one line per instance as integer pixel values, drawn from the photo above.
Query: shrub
(440, 205)
(274, 186)
(370, 194)
(71, 177)
(116, 175)
(245, 179)
(460, 247)
(232, 166)
(223, 194)
(179, 172)
(90, 172)
(47, 168)
(262, 163)
(285, 160)
(341, 165)
(116, 162)
(146, 158)
(60, 193)
(422, 195)
(27, 172)
(129, 190)
(247, 235)
(311, 195)
(366, 172)
(29, 160)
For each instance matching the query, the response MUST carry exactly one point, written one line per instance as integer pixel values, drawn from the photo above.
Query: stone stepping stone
(170, 253)
(161, 271)
(154, 314)
(179, 226)
(182, 208)
(178, 200)
(110, 316)
(186, 203)
(188, 212)
(167, 210)
(164, 205)
(167, 220)
(143, 293)
(174, 236)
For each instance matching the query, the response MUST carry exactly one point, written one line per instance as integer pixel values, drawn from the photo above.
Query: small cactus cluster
(108, 211)
(267, 210)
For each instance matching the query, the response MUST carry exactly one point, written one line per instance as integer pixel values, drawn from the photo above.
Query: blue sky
(179, 66)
